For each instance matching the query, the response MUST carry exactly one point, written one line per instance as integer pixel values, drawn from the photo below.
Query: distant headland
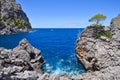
(12, 18)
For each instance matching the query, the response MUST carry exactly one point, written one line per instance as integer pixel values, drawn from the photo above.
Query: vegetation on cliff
(107, 34)
(2, 23)
(100, 54)
(97, 18)
(12, 18)
(99, 27)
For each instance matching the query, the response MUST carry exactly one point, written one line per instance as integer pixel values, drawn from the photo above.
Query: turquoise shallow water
(56, 45)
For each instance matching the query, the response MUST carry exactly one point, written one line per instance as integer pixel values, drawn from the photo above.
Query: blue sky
(68, 13)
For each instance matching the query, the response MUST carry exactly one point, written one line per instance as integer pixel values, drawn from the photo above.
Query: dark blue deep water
(56, 45)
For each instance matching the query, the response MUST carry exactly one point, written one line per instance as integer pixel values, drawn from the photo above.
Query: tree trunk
(97, 21)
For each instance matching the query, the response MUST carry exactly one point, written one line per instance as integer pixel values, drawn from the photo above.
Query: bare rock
(23, 62)
(54, 77)
(116, 21)
(101, 55)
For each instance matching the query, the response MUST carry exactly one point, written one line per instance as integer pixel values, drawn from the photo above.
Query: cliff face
(12, 18)
(101, 55)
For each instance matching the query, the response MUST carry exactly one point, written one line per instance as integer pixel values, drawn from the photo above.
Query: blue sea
(57, 47)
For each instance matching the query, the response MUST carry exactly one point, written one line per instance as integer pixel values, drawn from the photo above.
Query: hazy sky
(68, 13)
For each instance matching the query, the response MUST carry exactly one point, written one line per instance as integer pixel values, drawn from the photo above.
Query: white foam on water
(57, 71)
(63, 68)
(48, 67)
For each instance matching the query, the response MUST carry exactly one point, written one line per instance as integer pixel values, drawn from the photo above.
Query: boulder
(22, 62)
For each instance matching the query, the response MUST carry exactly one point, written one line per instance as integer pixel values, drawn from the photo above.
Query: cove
(56, 45)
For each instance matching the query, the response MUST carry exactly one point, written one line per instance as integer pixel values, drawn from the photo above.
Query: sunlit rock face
(100, 55)
(116, 21)
(12, 18)
(21, 62)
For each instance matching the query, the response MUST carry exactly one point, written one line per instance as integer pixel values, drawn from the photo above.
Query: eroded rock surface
(100, 56)
(22, 62)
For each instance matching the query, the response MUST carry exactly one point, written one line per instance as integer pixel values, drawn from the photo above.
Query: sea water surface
(57, 47)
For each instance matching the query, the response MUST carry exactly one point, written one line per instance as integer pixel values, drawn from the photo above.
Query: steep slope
(12, 18)
(100, 54)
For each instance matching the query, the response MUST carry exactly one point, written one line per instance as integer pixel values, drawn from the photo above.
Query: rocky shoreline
(101, 60)
(22, 62)
(98, 48)
(100, 55)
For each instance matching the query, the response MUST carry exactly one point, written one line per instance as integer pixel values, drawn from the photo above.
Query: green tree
(97, 18)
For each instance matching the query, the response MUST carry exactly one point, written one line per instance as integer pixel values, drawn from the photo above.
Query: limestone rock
(100, 55)
(116, 21)
(22, 62)
(26, 75)
(12, 18)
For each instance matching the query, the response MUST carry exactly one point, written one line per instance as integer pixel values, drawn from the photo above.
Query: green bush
(17, 23)
(4, 17)
(26, 23)
(98, 25)
(20, 25)
(2, 23)
(107, 34)
(10, 21)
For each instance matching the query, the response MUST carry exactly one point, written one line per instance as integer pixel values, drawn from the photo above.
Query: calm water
(57, 47)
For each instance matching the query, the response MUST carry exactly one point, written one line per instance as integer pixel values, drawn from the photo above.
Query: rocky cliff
(12, 18)
(116, 21)
(98, 48)
(22, 62)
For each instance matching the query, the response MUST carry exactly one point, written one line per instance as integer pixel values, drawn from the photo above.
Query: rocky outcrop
(22, 62)
(116, 21)
(100, 55)
(12, 18)
(98, 52)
